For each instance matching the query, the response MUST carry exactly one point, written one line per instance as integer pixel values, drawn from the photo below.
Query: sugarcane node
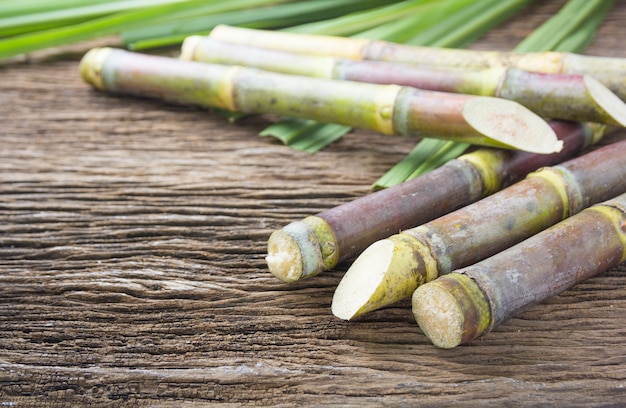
(511, 125)
(613, 107)
(386, 112)
(322, 233)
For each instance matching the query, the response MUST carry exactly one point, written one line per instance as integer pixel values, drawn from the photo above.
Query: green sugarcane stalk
(391, 269)
(470, 302)
(556, 96)
(609, 71)
(389, 109)
(305, 248)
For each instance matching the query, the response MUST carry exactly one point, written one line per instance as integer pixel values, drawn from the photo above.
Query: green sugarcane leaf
(304, 134)
(249, 13)
(579, 40)
(357, 22)
(441, 153)
(406, 27)
(426, 148)
(572, 16)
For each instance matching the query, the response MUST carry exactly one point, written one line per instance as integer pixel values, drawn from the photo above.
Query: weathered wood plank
(132, 237)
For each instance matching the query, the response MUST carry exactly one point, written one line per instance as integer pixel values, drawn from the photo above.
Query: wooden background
(132, 243)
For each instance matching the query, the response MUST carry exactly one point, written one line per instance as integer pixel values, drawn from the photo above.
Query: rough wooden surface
(132, 237)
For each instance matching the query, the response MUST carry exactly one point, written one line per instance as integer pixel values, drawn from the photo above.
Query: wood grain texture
(132, 238)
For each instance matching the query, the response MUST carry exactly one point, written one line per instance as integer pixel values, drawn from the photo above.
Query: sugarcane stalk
(609, 71)
(468, 303)
(392, 268)
(389, 109)
(305, 248)
(556, 96)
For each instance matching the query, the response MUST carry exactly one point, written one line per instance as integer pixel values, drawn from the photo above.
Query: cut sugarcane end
(188, 49)
(284, 257)
(294, 253)
(384, 273)
(613, 107)
(366, 274)
(509, 124)
(451, 310)
(91, 66)
(439, 315)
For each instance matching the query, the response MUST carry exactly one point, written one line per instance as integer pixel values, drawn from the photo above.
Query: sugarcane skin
(377, 50)
(416, 252)
(578, 248)
(615, 211)
(609, 216)
(559, 95)
(329, 237)
(143, 75)
(329, 248)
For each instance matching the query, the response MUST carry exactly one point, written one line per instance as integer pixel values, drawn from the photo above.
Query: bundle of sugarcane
(461, 306)
(609, 71)
(556, 96)
(391, 269)
(389, 109)
(305, 248)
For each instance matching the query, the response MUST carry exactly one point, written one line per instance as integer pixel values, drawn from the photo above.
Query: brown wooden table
(132, 244)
